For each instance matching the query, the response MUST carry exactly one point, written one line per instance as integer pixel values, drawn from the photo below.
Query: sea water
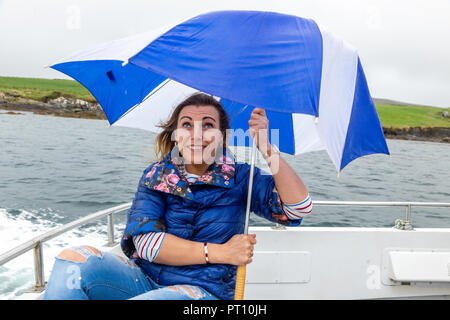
(55, 170)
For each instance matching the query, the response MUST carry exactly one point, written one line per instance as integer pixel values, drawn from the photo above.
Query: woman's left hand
(260, 124)
(288, 184)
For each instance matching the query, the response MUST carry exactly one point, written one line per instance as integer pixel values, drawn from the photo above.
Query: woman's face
(198, 134)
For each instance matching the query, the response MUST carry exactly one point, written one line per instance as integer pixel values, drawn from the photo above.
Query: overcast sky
(404, 45)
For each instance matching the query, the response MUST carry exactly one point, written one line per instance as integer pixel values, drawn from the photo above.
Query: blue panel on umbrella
(283, 123)
(364, 135)
(264, 59)
(116, 88)
(280, 126)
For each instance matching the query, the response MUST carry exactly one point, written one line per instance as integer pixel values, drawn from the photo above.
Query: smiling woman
(184, 229)
(197, 109)
(197, 127)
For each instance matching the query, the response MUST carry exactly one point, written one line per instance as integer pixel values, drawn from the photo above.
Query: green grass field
(412, 116)
(45, 89)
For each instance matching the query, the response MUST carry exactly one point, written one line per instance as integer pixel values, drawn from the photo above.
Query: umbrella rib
(160, 86)
(239, 111)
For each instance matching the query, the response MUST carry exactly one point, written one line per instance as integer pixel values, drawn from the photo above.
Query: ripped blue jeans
(85, 273)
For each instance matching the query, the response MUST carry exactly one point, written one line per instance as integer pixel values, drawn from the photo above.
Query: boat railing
(36, 243)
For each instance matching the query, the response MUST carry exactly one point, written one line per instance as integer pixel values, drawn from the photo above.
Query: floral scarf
(166, 176)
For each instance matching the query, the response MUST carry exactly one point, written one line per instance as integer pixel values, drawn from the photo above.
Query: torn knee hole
(126, 261)
(189, 290)
(79, 254)
(174, 288)
(71, 255)
(193, 291)
(93, 250)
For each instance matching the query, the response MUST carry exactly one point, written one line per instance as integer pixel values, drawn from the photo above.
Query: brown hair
(164, 143)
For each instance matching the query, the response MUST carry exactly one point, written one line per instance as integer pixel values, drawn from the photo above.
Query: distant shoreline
(60, 107)
(94, 111)
(437, 134)
(68, 98)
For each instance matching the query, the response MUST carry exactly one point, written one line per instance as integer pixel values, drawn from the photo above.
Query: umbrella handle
(240, 283)
(241, 271)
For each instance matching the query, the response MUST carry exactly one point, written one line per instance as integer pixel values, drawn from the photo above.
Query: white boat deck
(345, 263)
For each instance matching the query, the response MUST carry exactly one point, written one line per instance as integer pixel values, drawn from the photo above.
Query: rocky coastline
(61, 106)
(76, 108)
(435, 134)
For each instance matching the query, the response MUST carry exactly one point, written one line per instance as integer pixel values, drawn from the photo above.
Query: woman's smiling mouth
(196, 148)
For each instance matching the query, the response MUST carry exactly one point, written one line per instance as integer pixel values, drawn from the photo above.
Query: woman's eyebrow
(209, 118)
(206, 117)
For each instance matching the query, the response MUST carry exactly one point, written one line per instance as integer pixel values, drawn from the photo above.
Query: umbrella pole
(241, 271)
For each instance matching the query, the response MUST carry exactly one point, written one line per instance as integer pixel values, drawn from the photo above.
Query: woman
(184, 230)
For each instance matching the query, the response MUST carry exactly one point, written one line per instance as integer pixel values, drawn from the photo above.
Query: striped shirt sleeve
(148, 244)
(298, 210)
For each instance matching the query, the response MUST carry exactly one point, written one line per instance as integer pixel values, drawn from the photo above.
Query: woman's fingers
(251, 238)
(259, 127)
(259, 111)
(257, 116)
(258, 121)
(242, 248)
(257, 124)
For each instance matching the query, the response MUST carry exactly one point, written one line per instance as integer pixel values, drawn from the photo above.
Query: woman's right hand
(239, 249)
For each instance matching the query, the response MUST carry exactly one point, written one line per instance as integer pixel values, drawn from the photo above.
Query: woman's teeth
(196, 148)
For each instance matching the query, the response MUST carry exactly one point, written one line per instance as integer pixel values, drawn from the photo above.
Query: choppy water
(56, 170)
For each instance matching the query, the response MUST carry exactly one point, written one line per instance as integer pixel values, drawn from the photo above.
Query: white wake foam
(17, 276)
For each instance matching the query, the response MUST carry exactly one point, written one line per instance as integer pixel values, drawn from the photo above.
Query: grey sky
(404, 45)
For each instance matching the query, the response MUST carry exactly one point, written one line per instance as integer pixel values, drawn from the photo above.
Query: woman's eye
(209, 125)
(186, 125)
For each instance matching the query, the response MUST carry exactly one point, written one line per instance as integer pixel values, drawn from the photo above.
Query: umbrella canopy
(310, 83)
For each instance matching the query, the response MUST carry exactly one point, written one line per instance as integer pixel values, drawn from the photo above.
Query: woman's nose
(198, 132)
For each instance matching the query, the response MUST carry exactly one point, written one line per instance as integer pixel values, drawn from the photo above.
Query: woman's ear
(179, 135)
(175, 136)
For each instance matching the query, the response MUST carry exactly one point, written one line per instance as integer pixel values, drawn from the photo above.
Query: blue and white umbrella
(310, 83)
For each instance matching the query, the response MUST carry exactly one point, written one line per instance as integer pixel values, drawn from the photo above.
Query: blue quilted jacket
(210, 210)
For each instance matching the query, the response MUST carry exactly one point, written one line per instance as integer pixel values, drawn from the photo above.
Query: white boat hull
(345, 263)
